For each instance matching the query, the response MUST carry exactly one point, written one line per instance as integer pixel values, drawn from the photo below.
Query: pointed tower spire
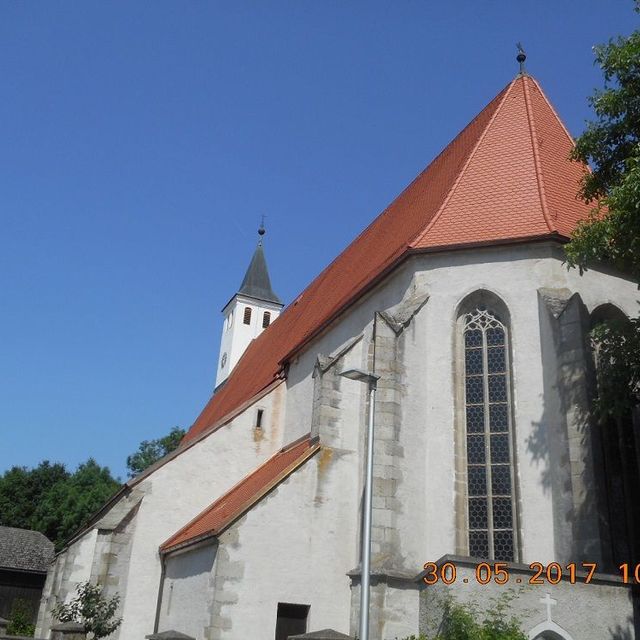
(256, 283)
(251, 310)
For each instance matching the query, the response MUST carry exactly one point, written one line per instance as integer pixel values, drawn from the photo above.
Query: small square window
(292, 620)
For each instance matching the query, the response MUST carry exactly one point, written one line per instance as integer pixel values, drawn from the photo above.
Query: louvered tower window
(266, 319)
(247, 315)
(490, 476)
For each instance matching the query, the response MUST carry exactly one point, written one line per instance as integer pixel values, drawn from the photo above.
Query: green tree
(611, 145)
(21, 489)
(53, 501)
(151, 451)
(68, 505)
(91, 609)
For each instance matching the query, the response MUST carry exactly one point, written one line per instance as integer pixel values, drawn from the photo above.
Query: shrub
(91, 609)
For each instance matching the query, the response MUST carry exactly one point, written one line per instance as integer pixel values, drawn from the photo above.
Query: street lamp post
(371, 379)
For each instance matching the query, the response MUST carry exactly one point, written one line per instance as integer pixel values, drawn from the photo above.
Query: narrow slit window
(259, 417)
(266, 319)
(490, 474)
(247, 315)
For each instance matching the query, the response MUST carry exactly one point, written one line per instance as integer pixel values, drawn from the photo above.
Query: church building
(486, 455)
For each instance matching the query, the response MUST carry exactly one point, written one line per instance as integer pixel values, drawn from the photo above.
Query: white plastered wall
(296, 546)
(187, 592)
(178, 491)
(173, 495)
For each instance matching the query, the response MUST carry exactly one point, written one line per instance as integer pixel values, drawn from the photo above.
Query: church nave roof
(506, 178)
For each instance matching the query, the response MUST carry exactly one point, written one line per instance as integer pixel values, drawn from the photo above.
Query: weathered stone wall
(569, 438)
(70, 568)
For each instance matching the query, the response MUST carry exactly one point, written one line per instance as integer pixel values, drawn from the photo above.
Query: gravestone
(324, 634)
(68, 631)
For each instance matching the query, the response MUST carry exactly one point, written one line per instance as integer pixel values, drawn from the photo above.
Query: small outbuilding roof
(25, 550)
(240, 498)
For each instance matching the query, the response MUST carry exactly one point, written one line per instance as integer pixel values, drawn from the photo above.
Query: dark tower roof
(256, 283)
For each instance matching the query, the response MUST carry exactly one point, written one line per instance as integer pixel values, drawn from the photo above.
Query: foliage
(612, 232)
(151, 451)
(468, 622)
(617, 345)
(20, 619)
(611, 145)
(91, 609)
(465, 622)
(613, 137)
(51, 500)
(21, 489)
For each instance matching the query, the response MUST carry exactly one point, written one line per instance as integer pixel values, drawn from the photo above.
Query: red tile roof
(506, 177)
(224, 511)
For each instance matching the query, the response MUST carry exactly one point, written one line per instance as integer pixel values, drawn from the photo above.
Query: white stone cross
(550, 602)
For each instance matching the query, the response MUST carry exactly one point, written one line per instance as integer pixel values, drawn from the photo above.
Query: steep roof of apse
(505, 178)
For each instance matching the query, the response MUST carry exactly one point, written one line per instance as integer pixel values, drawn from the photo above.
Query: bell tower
(249, 312)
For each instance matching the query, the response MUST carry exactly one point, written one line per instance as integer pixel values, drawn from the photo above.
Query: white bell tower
(248, 313)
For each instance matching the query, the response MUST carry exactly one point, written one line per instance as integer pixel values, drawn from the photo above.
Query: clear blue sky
(141, 142)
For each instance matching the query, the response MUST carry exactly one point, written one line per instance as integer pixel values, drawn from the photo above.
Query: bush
(20, 619)
(91, 609)
(467, 622)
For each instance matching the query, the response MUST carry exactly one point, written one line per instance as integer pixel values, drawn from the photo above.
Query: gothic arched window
(615, 460)
(490, 499)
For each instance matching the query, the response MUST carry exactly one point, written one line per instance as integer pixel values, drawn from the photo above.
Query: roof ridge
(464, 167)
(555, 113)
(536, 157)
(386, 210)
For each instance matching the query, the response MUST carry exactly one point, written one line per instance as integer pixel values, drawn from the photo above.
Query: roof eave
(411, 251)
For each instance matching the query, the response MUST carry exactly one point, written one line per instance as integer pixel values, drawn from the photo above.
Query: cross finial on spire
(521, 57)
(261, 230)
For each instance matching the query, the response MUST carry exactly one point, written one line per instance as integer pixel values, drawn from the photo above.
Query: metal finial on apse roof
(521, 57)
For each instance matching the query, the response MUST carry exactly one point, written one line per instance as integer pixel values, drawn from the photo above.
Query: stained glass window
(490, 496)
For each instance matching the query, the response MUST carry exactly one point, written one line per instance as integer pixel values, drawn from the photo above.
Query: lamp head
(361, 376)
